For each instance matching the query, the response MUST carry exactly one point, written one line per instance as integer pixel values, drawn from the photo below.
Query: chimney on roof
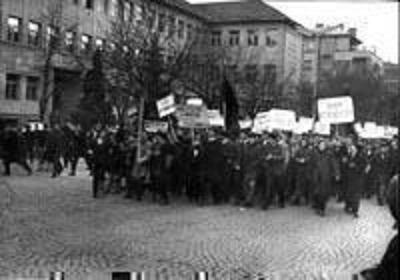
(352, 32)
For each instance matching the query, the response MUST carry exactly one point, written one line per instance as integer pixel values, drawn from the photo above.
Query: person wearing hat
(14, 151)
(381, 164)
(324, 170)
(355, 170)
(277, 159)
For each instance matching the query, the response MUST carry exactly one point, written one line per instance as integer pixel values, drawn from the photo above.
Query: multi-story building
(337, 50)
(266, 39)
(26, 29)
(261, 36)
(392, 77)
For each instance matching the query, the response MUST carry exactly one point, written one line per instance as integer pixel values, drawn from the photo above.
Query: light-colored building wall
(293, 55)
(337, 51)
(283, 50)
(28, 61)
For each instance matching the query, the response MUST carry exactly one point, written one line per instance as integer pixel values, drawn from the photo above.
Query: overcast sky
(377, 21)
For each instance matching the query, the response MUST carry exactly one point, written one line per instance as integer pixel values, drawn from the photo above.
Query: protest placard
(245, 124)
(304, 125)
(261, 122)
(215, 118)
(194, 102)
(190, 116)
(282, 119)
(166, 106)
(155, 126)
(322, 128)
(336, 110)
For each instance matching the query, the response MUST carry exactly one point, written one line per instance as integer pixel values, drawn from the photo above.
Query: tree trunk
(140, 130)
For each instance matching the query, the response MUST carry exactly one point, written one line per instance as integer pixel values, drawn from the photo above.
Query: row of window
(128, 11)
(234, 38)
(110, 7)
(35, 35)
(13, 87)
(252, 72)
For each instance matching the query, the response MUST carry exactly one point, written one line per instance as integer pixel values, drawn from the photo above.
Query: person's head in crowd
(322, 145)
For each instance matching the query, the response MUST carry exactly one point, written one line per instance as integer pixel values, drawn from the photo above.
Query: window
(189, 32)
(14, 29)
(269, 41)
(12, 86)
(70, 40)
(113, 8)
(100, 44)
(307, 65)
(232, 71)
(128, 11)
(86, 42)
(171, 27)
(138, 14)
(32, 88)
(327, 56)
(34, 33)
(216, 38)
(251, 73)
(51, 35)
(151, 17)
(181, 29)
(89, 4)
(106, 6)
(161, 23)
(252, 38)
(270, 73)
(234, 38)
(309, 46)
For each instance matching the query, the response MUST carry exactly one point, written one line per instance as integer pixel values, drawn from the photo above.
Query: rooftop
(183, 6)
(241, 11)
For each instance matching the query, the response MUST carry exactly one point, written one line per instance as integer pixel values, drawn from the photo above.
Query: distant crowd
(272, 169)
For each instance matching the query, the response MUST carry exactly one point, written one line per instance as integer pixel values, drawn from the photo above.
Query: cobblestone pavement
(55, 225)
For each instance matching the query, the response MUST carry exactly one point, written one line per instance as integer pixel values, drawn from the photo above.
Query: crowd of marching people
(272, 169)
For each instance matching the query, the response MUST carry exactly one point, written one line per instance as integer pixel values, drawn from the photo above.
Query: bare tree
(144, 60)
(367, 89)
(58, 26)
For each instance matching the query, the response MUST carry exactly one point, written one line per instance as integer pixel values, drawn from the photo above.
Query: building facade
(253, 34)
(392, 77)
(27, 28)
(337, 51)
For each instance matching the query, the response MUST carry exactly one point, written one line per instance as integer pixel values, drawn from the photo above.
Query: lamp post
(318, 35)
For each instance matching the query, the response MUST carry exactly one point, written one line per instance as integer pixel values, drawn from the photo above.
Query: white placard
(322, 128)
(262, 122)
(282, 119)
(304, 125)
(194, 102)
(215, 118)
(245, 124)
(336, 110)
(166, 106)
(155, 126)
(190, 116)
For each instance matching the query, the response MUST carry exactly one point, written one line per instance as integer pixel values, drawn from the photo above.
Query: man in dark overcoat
(14, 151)
(355, 170)
(323, 173)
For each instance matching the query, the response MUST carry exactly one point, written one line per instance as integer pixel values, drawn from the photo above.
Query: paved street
(55, 225)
